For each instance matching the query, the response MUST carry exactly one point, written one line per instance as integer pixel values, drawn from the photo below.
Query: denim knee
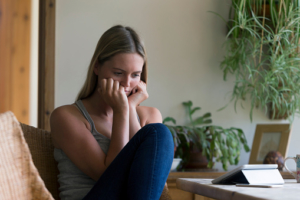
(163, 134)
(160, 128)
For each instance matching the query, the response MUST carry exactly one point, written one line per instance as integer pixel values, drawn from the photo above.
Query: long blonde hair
(117, 39)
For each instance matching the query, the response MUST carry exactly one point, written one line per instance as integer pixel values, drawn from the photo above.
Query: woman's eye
(117, 73)
(136, 75)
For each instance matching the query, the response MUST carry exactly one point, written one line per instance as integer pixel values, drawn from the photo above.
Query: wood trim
(15, 28)
(46, 62)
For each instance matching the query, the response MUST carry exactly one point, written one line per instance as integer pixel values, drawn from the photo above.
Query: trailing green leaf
(264, 76)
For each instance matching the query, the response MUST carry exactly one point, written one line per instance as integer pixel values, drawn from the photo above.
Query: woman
(106, 145)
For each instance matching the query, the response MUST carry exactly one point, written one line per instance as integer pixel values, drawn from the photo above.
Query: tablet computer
(235, 176)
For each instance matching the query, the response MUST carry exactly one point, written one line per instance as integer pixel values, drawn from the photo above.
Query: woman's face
(126, 68)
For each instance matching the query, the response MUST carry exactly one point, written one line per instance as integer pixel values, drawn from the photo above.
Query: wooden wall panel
(15, 29)
(46, 62)
(5, 29)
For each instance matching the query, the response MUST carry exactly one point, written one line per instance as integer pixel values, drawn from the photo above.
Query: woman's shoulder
(64, 120)
(149, 115)
(67, 114)
(64, 111)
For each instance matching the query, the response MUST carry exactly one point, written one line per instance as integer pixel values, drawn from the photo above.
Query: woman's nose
(125, 82)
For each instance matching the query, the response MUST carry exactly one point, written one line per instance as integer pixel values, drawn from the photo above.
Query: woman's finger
(116, 86)
(142, 84)
(121, 88)
(133, 91)
(109, 85)
(103, 85)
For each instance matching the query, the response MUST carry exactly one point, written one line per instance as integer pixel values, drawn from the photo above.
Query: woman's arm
(119, 135)
(139, 94)
(114, 95)
(73, 136)
(146, 114)
(70, 132)
(149, 115)
(134, 124)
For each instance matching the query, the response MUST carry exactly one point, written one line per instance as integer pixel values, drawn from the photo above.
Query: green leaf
(212, 143)
(195, 109)
(225, 165)
(246, 147)
(206, 115)
(198, 121)
(236, 160)
(231, 160)
(210, 164)
(208, 121)
(169, 119)
(188, 103)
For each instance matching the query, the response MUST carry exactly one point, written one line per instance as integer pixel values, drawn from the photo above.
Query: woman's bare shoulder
(64, 112)
(149, 115)
(66, 118)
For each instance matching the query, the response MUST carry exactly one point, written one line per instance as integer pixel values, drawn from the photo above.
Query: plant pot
(275, 110)
(277, 115)
(196, 161)
(260, 12)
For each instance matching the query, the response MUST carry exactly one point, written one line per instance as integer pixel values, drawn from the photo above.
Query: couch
(33, 148)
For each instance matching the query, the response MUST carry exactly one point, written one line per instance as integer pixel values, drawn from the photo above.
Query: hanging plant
(262, 52)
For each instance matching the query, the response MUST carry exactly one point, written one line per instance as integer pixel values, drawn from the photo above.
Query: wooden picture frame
(269, 137)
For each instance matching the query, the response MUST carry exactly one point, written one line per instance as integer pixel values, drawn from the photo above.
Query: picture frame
(269, 137)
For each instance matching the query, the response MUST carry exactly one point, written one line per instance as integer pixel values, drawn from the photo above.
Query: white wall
(183, 42)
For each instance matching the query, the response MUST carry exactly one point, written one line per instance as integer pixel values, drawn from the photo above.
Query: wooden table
(178, 194)
(204, 187)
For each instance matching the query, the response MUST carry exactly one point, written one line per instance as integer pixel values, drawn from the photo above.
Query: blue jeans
(140, 170)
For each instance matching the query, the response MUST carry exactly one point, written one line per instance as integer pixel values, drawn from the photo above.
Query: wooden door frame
(46, 62)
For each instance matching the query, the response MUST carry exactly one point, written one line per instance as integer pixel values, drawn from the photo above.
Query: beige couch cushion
(19, 177)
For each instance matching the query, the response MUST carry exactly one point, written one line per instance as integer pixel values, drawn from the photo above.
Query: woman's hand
(138, 95)
(113, 94)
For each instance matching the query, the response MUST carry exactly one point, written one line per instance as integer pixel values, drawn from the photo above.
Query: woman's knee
(158, 127)
(162, 132)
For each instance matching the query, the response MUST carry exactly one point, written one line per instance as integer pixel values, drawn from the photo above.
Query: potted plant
(262, 52)
(213, 142)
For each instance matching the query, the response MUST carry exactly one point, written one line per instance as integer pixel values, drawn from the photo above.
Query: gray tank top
(74, 184)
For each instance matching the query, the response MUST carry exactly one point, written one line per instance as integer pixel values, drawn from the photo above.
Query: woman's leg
(140, 170)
